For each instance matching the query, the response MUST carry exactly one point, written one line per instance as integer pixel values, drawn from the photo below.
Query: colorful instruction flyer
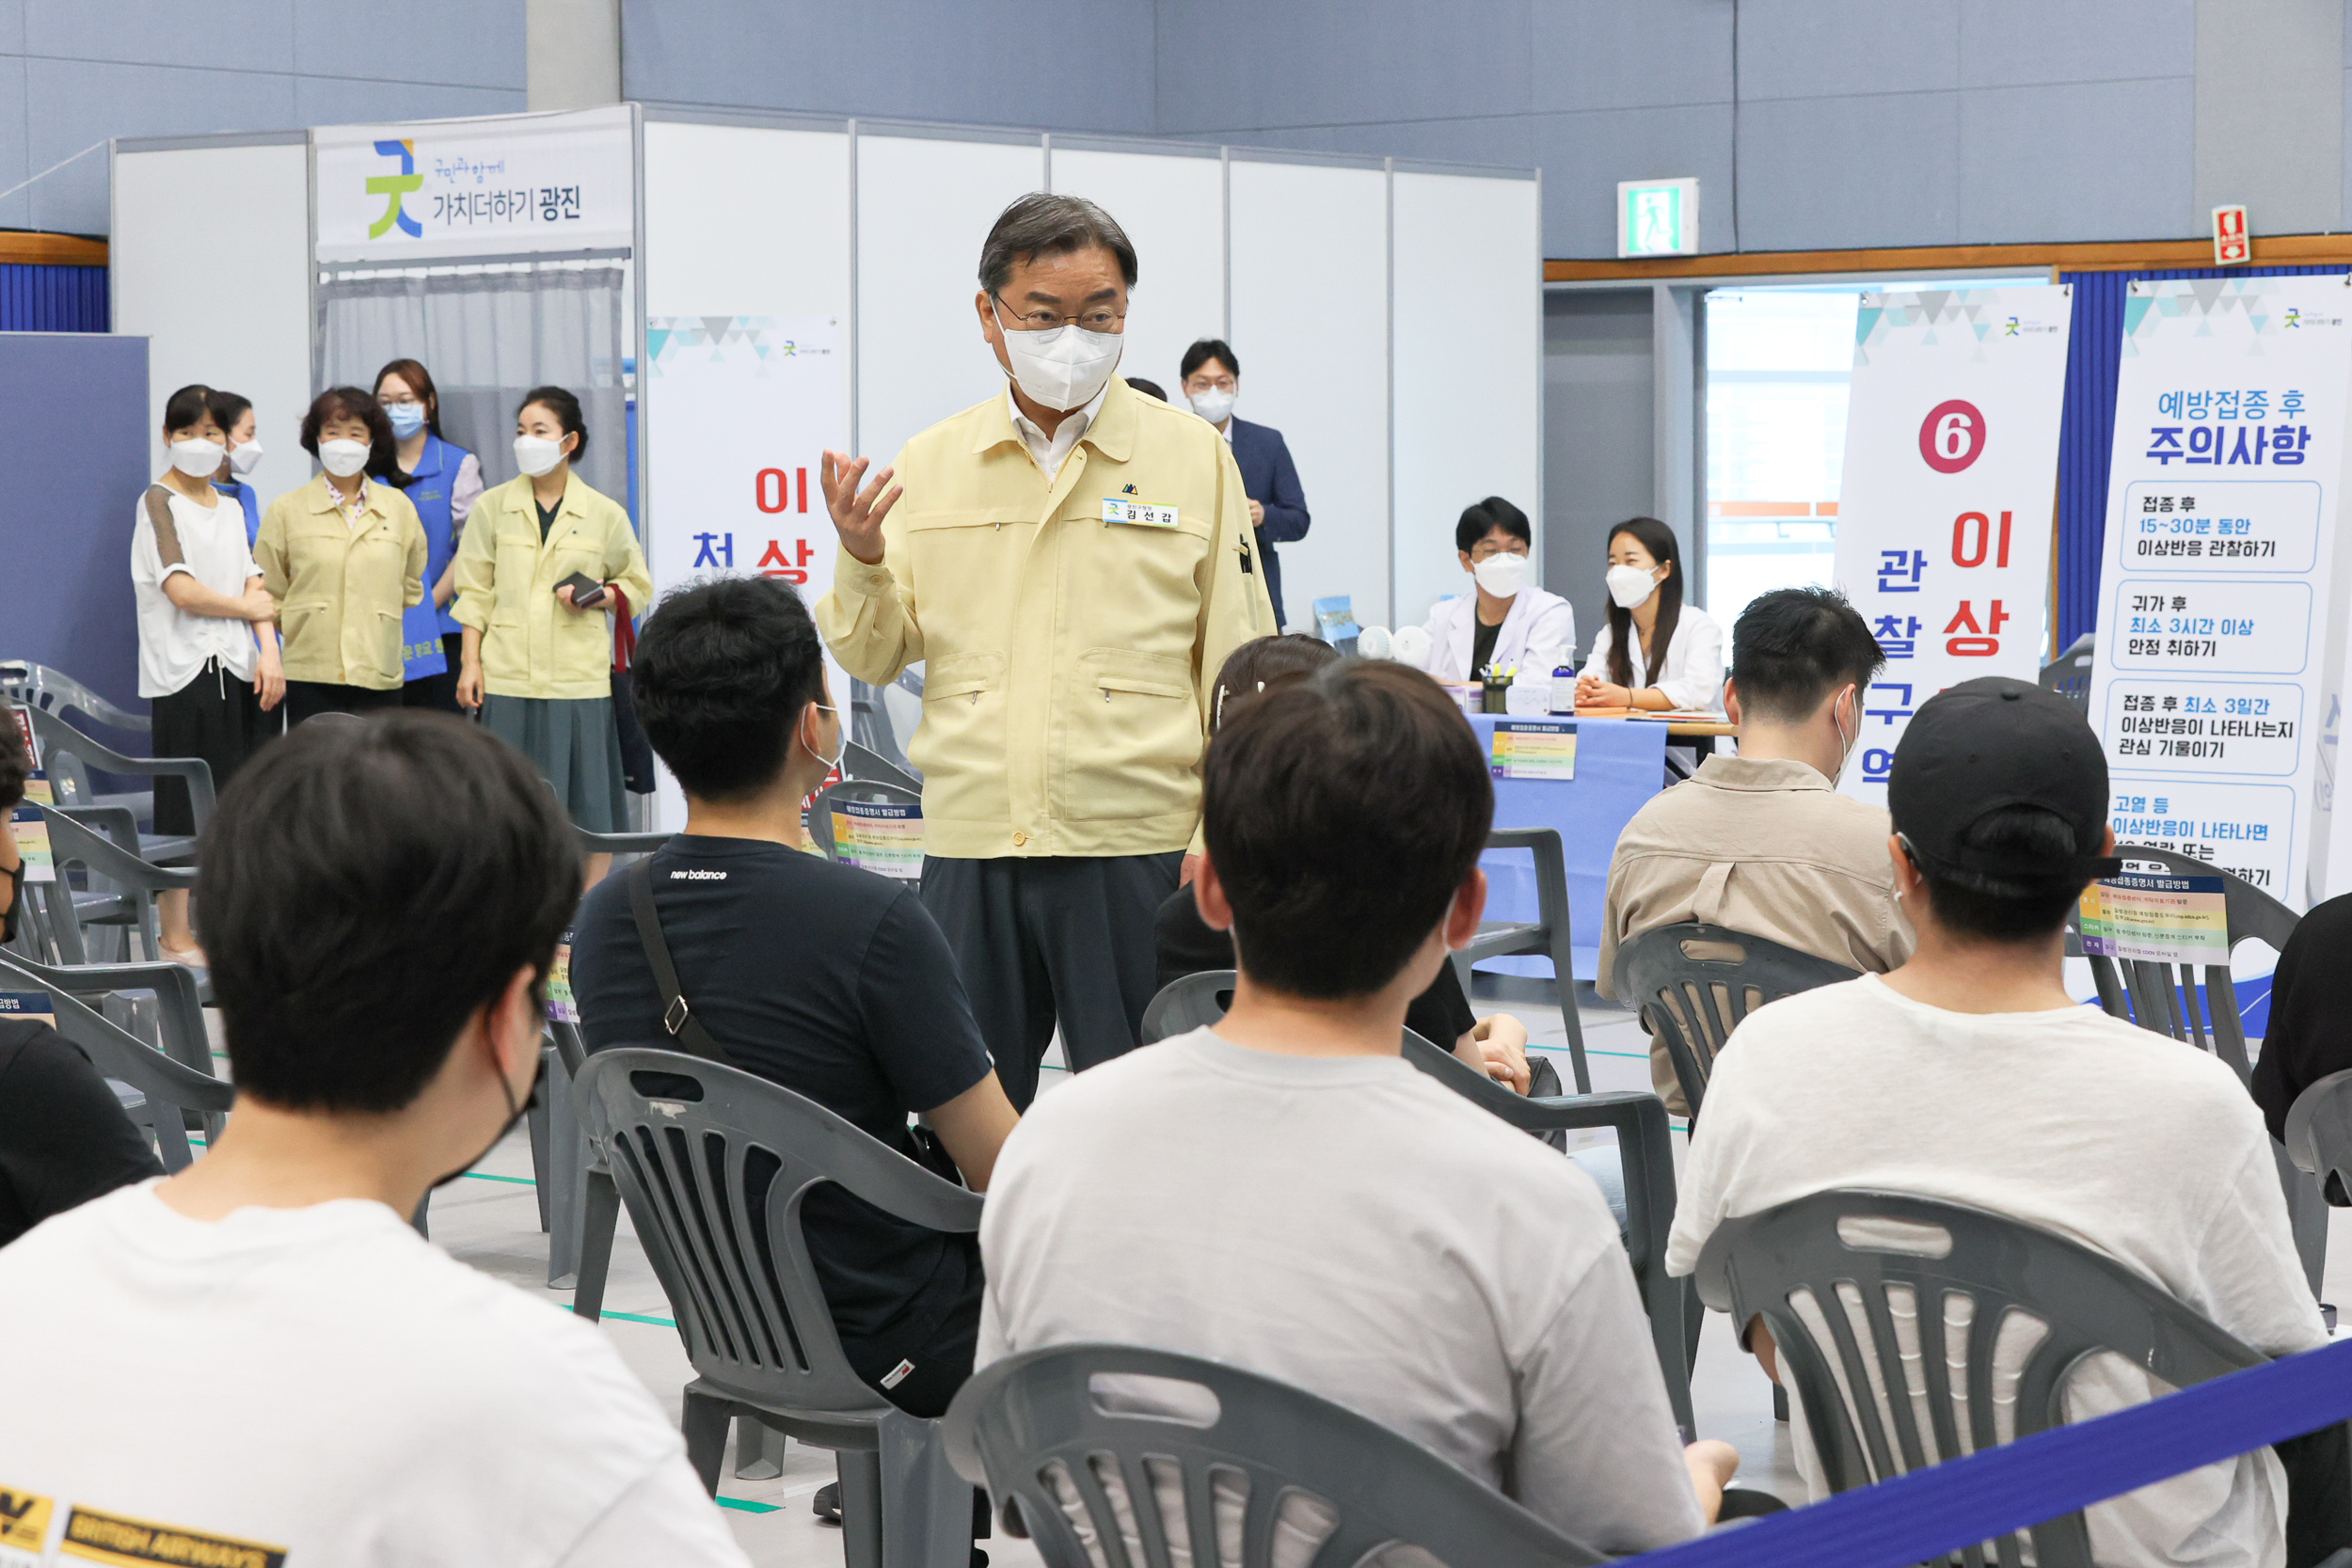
(562, 1007)
(2170, 920)
(878, 837)
(32, 842)
(1533, 749)
(28, 1003)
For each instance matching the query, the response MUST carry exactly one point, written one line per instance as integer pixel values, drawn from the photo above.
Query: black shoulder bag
(677, 1017)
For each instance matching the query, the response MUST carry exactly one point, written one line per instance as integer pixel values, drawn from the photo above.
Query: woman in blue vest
(233, 413)
(446, 482)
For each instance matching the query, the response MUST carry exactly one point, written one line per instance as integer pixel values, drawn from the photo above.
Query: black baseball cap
(1984, 744)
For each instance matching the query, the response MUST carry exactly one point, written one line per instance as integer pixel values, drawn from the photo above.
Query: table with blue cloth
(1619, 764)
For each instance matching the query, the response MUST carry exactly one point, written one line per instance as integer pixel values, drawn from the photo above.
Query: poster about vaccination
(738, 412)
(1944, 515)
(2211, 679)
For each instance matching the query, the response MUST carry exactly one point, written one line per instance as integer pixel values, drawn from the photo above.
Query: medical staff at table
(535, 658)
(1655, 652)
(1505, 620)
(344, 557)
(447, 482)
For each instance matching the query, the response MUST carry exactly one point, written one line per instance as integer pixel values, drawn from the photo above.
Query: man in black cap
(1969, 1074)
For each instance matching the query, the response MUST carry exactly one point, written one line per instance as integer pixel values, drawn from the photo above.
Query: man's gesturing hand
(857, 514)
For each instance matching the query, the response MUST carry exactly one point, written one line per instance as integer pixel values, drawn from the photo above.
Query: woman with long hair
(1654, 651)
(445, 480)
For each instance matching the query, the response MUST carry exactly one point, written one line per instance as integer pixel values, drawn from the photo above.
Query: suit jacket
(1270, 478)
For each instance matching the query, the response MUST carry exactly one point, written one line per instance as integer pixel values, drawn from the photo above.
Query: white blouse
(1692, 673)
(208, 543)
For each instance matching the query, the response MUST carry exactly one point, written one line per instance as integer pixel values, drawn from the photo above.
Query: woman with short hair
(344, 558)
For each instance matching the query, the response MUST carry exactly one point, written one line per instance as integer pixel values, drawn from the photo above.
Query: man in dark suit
(1211, 381)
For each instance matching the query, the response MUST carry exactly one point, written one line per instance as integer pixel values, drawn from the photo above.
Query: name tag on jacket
(1117, 510)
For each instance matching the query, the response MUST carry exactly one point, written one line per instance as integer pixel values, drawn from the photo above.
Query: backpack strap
(678, 1016)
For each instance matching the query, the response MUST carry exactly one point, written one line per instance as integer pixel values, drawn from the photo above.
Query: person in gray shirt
(1284, 1193)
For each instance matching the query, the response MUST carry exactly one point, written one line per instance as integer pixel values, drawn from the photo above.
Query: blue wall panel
(52, 299)
(74, 442)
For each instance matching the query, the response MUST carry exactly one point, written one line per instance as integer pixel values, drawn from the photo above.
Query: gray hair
(1042, 225)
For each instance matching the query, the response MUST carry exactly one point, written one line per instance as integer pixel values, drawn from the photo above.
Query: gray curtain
(488, 337)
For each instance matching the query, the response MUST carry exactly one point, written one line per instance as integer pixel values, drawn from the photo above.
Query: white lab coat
(1537, 621)
(1694, 673)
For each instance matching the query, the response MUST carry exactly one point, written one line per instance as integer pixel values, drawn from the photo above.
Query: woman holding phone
(543, 560)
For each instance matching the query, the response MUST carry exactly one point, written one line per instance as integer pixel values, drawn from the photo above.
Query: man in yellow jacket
(1072, 560)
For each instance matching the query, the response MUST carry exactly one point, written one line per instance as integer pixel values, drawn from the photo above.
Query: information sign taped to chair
(879, 836)
(28, 1003)
(1533, 749)
(2172, 920)
(561, 1006)
(32, 843)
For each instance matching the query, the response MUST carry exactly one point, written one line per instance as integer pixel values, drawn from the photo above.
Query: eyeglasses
(1101, 319)
(1483, 550)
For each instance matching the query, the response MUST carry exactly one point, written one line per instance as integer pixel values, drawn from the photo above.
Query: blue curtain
(2087, 432)
(52, 299)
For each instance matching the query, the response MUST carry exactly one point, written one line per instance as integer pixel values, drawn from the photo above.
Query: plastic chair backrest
(715, 1165)
(58, 738)
(2150, 994)
(862, 790)
(1697, 983)
(168, 1086)
(1187, 1002)
(619, 843)
(1891, 1313)
(36, 685)
(1184, 1460)
(2319, 1135)
(72, 843)
(2068, 675)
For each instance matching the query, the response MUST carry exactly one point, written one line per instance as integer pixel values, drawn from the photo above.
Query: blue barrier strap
(1923, 1516)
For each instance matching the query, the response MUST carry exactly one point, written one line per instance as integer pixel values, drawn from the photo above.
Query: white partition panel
(924, 206)
(1172, 207)
(1468, 369)
(1310, 287)
(233, 312)
(745, 221)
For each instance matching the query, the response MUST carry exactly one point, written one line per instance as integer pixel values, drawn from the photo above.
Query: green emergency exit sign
(1658, 217)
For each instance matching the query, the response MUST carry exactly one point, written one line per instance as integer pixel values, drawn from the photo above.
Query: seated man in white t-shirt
(258, 1355)
(1284, 1193)
(1968, 1074)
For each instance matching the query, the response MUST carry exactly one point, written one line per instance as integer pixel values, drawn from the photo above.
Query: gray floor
(490, 1219)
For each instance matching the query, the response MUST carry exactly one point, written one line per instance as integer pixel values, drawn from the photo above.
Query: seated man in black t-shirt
(831, 981)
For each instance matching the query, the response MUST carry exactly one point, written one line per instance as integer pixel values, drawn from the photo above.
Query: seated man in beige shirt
(1762, 843)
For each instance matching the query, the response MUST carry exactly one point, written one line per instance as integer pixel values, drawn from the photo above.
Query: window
(1779, 360)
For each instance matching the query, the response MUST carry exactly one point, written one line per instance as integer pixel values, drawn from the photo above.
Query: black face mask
(514, 1115)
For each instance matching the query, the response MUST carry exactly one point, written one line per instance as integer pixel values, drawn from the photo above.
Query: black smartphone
(587, 592)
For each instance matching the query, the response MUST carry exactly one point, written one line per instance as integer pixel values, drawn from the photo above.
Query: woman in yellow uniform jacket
(538, 661)
(344, 557)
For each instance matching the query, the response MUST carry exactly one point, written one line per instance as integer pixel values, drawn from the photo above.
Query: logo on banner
(1951, 435)
(391, 187)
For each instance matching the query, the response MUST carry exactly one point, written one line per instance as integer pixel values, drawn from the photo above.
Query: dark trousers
(1048, 939)
(216, 717)
(439, 693)
(308, 699)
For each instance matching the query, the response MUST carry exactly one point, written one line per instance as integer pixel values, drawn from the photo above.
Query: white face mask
(1064, 368)
(840, 750)
(1500, 574)
(536, 455)
(1213, 403)
(1630, 586)
(1845, 747)
(247, 458)
(198, 459)
(343, 459)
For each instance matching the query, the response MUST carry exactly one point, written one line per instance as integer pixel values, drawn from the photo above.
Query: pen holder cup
(1497, 695)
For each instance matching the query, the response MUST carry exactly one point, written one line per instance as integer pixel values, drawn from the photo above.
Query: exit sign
(1658, 217)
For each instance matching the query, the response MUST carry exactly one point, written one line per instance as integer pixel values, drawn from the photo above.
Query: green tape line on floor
(629, 1316)
(746, 1505)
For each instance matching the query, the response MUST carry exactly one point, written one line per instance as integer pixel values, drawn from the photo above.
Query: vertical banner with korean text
(1952, 472)
(738, 414)
(2217, 627)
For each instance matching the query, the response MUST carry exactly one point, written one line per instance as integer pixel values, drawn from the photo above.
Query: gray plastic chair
(71, 844)
(875, 750)
(1546, 937)
(876, 791)
(67, 755)
(2068, 675)
(1644, 1148)
(2319, 1135)
(164, 1092)
(618, 845)
(1056, 1436)
(2157, 998)
(1884, 1254)
(36, 685)
(1693, 1003)
(714, 1186)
